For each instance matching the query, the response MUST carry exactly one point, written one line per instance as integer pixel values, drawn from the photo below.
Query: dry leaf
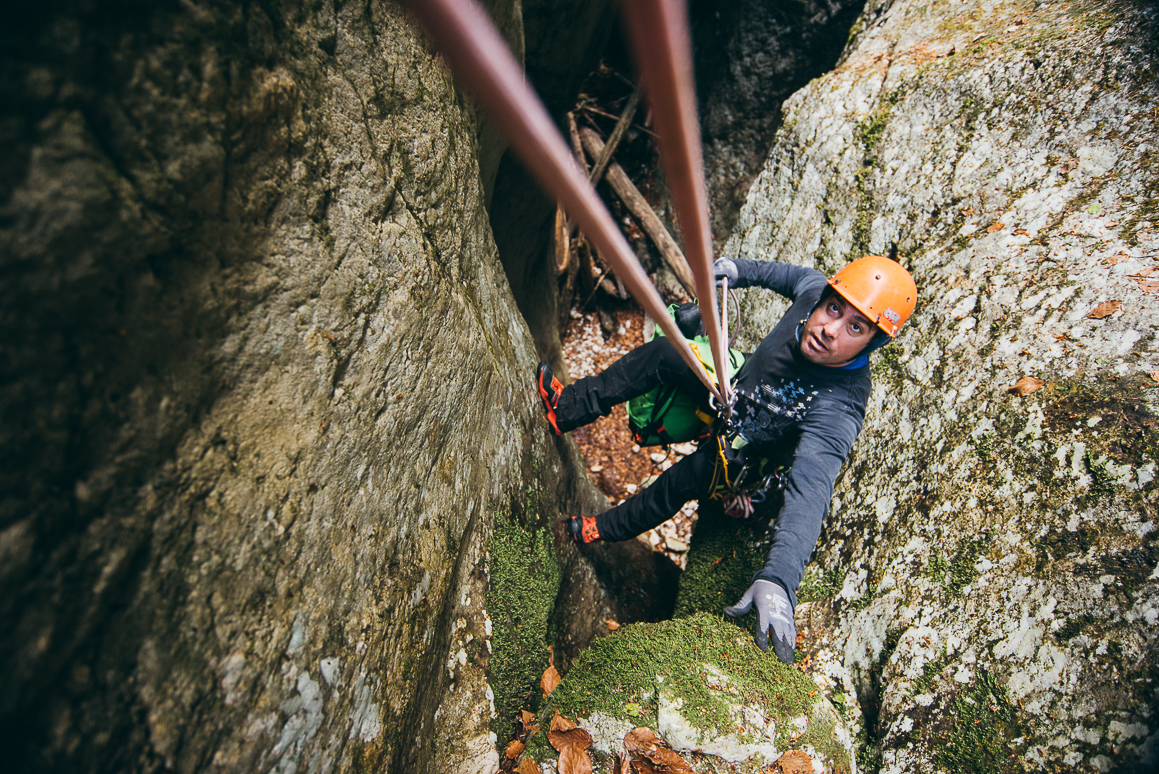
(651, 754)
(1154, 375)
(575, 760)
(560, 723)
(526, 719)
(968, 212)
(1144, 273)
(1105, 309)
(793, 762)
(549, 680)
(623, 764)
(527, 766)
(573, 737)
(514, 747)
(1149, 286)
(995, 226)
(1021, 232)
(612, 625)
(1118, 257)
(1027, 385)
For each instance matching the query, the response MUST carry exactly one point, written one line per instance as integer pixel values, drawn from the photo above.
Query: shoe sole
(543, 393)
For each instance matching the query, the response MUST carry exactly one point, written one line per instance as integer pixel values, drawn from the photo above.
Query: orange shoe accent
(550, 390)
(589, 530)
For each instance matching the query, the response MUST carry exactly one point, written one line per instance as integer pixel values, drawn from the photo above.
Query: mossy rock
(702, 684)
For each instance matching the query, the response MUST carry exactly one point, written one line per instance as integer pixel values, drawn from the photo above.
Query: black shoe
(549, 389)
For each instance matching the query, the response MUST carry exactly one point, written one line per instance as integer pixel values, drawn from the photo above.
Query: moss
(956, 572)
(621, 675)
(525, 579)
(721, 563)
(930, 671)
(822, 736)
(869, 133)
(981, 721)
(819, 583)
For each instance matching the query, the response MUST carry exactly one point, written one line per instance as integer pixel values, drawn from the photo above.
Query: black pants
(637, 372)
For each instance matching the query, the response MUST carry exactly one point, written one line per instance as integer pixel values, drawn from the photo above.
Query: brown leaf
(1149, 286)
(527, 766)
(514, 748)
(526, 719)
(560, 723)
(1154, 375)
(549, 680)
(651, 754)
(1021, 232)
(573, 737)
(1118, 257)
(793, 762)
(575, 760)
(612, 625)
(1105, 309)
(995, 226)
(1027, 385)
(623, 764)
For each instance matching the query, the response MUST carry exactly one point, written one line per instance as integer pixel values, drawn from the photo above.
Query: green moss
(525, 579)
(721, 563)
(930, 671)
(869, 132)
(955, 572)
(819, 583)
(981, 722)
(621, 675)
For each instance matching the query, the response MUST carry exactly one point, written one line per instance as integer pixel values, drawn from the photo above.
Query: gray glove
(773, 609)
(724, 267)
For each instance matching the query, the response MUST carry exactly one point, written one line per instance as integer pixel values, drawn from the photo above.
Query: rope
(662, 44)
(479, 57)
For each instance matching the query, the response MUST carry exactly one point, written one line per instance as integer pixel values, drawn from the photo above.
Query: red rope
(480, 59)
(662, 45)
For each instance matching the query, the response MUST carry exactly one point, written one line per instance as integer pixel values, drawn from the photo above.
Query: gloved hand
(724, 267)
(773, 609)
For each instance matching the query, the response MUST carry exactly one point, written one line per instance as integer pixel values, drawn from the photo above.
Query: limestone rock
(269, 433)
(998, 552)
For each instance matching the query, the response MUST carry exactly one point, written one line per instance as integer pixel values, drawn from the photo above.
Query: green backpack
(668, 414)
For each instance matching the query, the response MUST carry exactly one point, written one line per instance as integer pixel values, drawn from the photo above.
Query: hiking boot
(583, 530)
(549, 389)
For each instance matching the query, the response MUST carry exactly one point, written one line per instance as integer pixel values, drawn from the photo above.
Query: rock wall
(270, 451)
(990, 558)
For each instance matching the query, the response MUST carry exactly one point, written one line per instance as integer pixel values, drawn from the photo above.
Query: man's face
(835, 333)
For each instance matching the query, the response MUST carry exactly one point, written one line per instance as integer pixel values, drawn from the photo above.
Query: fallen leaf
(560, 723)
(526, 719)
(968, 212)
(549, 681)
(573, 737)
(612, 625)
(995, 226)
(527, 766)
(1021, 232)
(514, 748)
(793, 762)
(623, 764)
(1154, 375)
(574, 760)
(1027, 385)
(1118, 257)
(650, 754)
(1105, 309)
(1149, 286)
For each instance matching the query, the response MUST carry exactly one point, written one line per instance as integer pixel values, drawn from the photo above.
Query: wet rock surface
(989, 560)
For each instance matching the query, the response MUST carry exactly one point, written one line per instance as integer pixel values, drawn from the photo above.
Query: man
(801, 398)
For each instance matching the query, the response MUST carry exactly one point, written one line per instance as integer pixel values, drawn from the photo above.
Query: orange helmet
(880, 289)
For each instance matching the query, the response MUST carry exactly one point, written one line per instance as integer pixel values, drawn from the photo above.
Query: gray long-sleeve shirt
(791, 408)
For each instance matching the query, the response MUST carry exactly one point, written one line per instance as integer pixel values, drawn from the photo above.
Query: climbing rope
(479, 57)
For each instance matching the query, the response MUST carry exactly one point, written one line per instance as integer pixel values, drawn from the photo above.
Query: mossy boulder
(702, 684)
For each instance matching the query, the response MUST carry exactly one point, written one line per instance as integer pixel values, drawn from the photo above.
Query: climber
(801, 399)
